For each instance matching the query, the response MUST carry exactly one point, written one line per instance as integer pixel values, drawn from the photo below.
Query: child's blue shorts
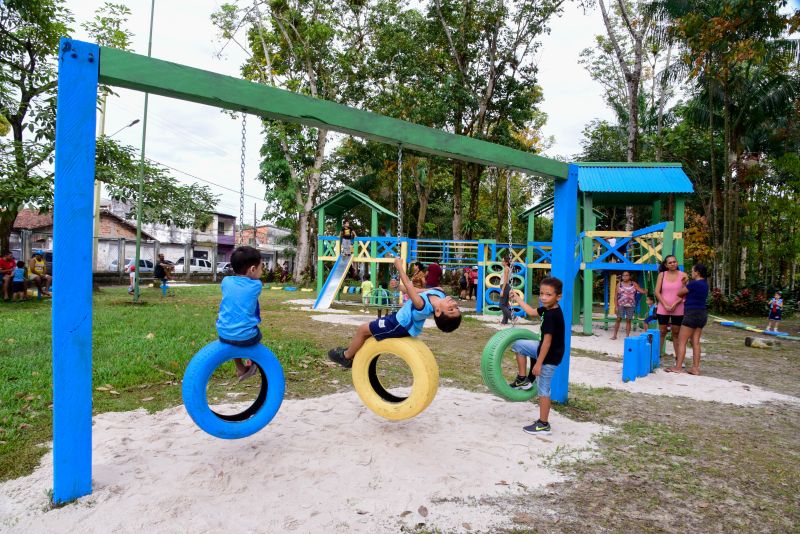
(530, 349)
(387, 327)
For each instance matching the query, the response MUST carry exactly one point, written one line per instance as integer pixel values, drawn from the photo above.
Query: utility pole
(101, 130)
(255, 227)
(141, 171)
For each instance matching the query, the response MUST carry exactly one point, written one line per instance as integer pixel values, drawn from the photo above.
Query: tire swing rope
(203, 364)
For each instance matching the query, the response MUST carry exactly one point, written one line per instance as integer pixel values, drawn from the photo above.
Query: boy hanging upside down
(407, 321)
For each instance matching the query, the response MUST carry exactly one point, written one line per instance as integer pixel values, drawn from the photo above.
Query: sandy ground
(597, 373)
(326, 464)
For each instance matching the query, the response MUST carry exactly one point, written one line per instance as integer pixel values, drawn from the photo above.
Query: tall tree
(723, 41)
(29, 34)
(310, 47)
(490, 71)
(636, 24)
(164, 201)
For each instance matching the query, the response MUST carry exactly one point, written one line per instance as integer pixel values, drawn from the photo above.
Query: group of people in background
(679, 307)
(19, 277)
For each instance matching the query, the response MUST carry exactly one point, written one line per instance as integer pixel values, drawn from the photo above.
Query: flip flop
(251, 370)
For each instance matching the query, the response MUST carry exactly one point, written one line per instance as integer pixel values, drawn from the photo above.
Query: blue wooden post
(655, 347)
(630, 363)
(482, 259)
(643, 357)
(565, 213)
(78, 66)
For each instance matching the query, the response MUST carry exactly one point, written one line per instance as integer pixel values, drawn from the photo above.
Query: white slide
(333, 283)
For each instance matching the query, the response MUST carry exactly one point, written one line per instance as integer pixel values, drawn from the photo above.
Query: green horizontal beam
(158, 77)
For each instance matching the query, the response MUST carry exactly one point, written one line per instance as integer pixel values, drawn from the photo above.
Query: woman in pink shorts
(670, 305)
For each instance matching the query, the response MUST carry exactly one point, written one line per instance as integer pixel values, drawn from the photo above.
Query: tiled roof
(30, 219)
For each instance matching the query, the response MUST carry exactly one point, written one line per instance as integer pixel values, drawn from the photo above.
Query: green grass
(139, 355)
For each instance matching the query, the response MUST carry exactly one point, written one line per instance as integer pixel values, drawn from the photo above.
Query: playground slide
(333, 283)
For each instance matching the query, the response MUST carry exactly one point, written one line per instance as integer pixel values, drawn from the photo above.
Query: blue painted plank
(649, 229)
(630, 364)
(72, 270)
(643, 355)
(565, 214)
(655, 347)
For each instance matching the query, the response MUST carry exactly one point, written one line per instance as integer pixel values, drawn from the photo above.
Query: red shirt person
(7, 266)
(434, 276)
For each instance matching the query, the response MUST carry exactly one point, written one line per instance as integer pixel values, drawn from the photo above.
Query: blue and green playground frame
(81, 67)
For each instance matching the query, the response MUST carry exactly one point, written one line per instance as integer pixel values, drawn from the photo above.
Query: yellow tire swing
(424, 371)
(417, 355)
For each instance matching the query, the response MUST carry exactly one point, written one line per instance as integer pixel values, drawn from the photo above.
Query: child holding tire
(239, 312)
(546, 355)
(405, 322)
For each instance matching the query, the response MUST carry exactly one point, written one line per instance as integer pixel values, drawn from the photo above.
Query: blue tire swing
(203, 364)
(254, 417)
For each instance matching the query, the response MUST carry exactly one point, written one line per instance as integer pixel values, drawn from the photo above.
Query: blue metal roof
(630, 178)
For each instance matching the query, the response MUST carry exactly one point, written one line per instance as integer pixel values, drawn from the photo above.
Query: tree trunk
(725, 193)
(662, 100)
(715, 242)
(312, 177)
(7, 218)
(458, 173)
(736, 194)
(423, 186)
(500, 205)
(474, 172)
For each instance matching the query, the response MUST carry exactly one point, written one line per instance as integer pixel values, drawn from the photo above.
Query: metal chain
(508, 208)
(400, 191)
(241, 182)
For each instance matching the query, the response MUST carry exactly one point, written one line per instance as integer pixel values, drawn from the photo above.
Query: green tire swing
(492, 364)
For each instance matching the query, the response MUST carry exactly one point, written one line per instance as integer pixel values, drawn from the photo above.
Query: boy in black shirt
(545, 355)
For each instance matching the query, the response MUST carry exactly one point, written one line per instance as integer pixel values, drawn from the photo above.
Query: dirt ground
(668, 464)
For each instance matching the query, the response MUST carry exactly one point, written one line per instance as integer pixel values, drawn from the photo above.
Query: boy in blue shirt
(407, 321)
(775, 308)
(239, 312)
(18, 289)
(652, 307)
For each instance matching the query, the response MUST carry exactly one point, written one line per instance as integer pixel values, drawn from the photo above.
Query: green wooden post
(656, 217)
(679, 226)
(576, 289)
(320, 249)
(529, 260)
(667, 249)
(373, 250)
(339, 233)
(589, 224)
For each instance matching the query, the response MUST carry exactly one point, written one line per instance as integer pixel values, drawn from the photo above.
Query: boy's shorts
(529, 348)
(775, 316)
(245, 342)
(387, 327)
(651, 319)
(17, 287)
(625, 312)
